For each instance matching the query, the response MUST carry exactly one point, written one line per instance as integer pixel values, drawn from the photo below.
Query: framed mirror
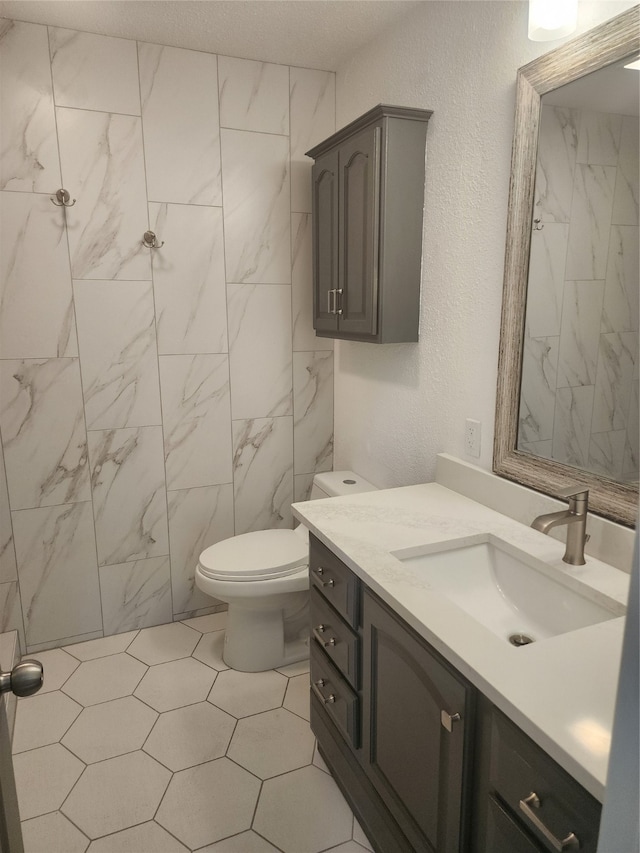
(567, 396)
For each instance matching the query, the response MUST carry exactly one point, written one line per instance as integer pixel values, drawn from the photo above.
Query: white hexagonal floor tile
(206, 624)
(52, 833)
(209, 650)
(164, 643)
(44, 777)
(293, 809)
(272, 743)
(116, 794)
(148, 837)
(246, 842)
(246, 693)
(191, 735)
(318, 761)
(348, 847)
(110, 729)
(176, 684)
(58, 666)
(43, 720)
(103, 646)
(297, 697)
(209, 802)
(360, 837)
(105, 678)
(293, 669)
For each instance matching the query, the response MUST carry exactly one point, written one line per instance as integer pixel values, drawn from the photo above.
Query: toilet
(264, 578)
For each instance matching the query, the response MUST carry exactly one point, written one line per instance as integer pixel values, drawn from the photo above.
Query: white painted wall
(397, 406)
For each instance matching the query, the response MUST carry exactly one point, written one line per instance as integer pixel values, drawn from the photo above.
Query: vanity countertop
(561, 691)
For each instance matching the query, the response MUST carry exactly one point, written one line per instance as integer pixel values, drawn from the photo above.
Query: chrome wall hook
(150, 240)
(538, 225)
(63, 199)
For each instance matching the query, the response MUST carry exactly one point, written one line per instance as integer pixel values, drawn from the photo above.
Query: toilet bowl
(264, 578)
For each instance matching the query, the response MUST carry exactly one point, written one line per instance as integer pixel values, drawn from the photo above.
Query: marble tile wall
(579, 400)
(152, 402)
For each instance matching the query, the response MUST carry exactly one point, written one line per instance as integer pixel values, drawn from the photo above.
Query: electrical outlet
(472, 437)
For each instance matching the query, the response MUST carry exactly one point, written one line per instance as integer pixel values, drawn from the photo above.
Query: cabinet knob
(448, 720)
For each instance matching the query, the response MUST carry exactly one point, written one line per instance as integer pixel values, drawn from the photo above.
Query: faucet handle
(576, 491)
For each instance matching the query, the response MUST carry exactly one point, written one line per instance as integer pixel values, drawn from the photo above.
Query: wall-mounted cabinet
(368, 198)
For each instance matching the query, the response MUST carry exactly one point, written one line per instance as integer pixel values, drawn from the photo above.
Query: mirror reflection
(580, 364)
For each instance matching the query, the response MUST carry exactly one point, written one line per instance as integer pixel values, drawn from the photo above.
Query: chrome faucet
(576, 520)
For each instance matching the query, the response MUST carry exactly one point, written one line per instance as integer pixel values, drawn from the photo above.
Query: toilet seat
(261, 555)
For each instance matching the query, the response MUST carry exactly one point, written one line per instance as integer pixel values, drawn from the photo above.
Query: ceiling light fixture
(552, 19)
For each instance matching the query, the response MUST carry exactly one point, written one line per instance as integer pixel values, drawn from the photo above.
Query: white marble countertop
(561, 690)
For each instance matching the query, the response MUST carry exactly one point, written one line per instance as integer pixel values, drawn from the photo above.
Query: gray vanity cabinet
(368, 196)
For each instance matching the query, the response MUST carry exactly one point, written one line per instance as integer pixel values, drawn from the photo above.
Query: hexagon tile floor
(147, 743)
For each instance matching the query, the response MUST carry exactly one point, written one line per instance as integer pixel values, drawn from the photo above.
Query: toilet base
(254, 640)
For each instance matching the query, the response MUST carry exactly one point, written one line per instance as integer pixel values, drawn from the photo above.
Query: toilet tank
(334, 483)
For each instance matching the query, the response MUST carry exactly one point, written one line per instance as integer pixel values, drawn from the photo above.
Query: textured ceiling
(312, 33)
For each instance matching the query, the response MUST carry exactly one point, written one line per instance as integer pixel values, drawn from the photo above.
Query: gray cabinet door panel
(325, 240)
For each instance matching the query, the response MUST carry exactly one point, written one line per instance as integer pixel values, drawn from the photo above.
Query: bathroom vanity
(442, 735)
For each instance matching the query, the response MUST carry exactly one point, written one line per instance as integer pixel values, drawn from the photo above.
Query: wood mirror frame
(601, 46)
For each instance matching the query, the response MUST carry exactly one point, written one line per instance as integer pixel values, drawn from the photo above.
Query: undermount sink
(507, 590)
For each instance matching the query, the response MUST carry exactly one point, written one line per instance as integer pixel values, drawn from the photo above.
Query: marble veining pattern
(616, 361)
(262, 473)
(28, 148)
(127, 480)
(599, 138)
(590, 221)
(313, 411)
(188, 279)
(94, 72)
(574, 407)
(181, 125)
(36, 299)
(197, 419)
(253, 95)
(198, 518)
(11, 611)
(103, 168)
(116, 333)
(304, 336)
(626, 201)
(8, 571)
(43, 434)
(557, 153)
(538, 389)
(621, 310)
(135, 595)
(546, 279)
(580, 332)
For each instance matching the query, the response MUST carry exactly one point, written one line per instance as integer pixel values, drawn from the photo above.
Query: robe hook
(150, 240)
(62, 198)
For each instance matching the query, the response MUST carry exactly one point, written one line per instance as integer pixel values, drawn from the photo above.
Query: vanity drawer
(338, 699)
(339, 642)
(538, 793)
(335, 581)
(504, 835)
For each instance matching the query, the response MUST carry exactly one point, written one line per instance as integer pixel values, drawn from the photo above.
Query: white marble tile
(36, 299)
(103, 168)
(196, 412)
(304, 336)
(312, 411)
(571, 426)
(616, 360)
(631, 459)
(313, 118)
(580, 332)
(599, 138)
(557, 150)
(543, 449)
(546, 279)
(625, 201)
(263, 473)
(197, 518)
(255, 171)
(29, 160)
(253, 95)
(94, 72)
(620, 309)
(538, 389)
(100, 648)
(129, 505)
(179, 92)
(11, 611)
(302, 484)
(43, 433)
(56, 552)
(590, 222)
(8, 570)
(118, 356)
(606, 451)
(135, 595)
(188, 278)
(260, 350)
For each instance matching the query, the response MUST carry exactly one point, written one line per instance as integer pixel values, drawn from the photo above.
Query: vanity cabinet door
(416, 728)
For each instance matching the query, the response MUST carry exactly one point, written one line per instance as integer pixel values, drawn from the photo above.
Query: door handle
(25, 679)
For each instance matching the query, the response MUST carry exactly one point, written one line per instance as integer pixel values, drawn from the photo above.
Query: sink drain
(520, 640)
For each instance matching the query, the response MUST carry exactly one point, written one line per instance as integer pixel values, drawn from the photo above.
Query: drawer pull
(317, 633)
(532, 802)
(327, 700)
(330, 582)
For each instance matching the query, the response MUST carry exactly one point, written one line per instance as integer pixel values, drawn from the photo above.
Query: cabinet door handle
(329, 582)
(448, 720)
(527, 806)
(326, 700)
(317, 633)
(331, 305)
(339, 293)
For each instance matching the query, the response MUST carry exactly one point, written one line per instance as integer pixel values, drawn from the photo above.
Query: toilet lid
(261, 555)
